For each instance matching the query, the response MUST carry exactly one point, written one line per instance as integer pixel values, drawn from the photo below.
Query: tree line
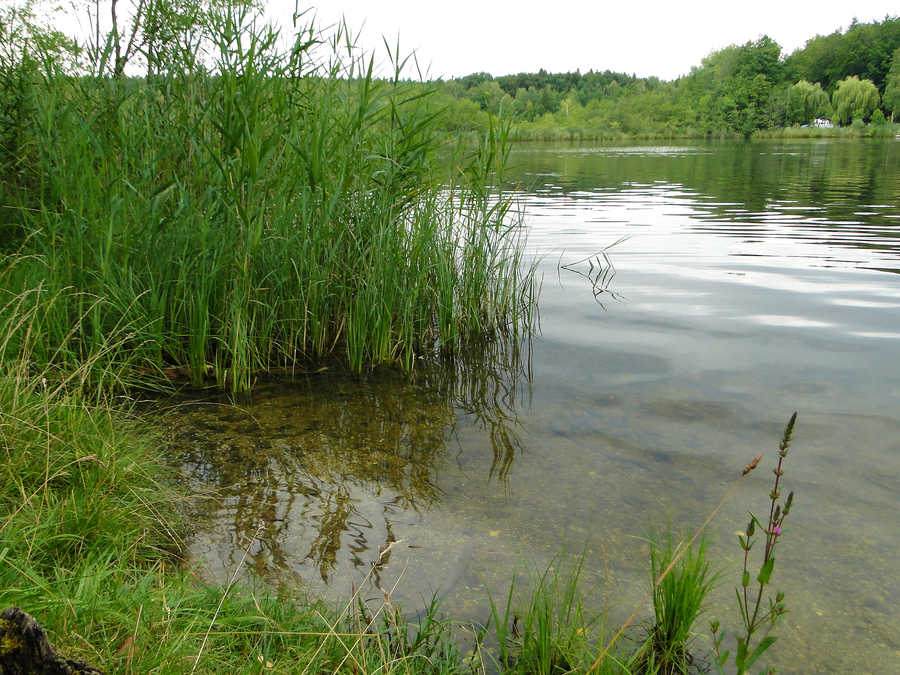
(845, 76)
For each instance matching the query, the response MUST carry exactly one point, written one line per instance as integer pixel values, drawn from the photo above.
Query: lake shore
(430, 394)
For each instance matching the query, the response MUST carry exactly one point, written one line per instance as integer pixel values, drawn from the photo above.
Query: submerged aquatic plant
(754, 614)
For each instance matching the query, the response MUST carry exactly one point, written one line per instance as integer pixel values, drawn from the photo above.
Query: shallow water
(693, 296)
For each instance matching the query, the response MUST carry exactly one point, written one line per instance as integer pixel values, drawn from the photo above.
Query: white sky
(645, 38)
(639, 37)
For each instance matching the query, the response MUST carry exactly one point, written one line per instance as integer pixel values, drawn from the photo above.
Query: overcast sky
(644, 38)
(452, 38)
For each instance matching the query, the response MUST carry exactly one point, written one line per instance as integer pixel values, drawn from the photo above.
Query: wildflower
(777, 530)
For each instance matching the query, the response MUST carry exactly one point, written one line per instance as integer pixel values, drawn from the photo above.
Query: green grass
(550, 632)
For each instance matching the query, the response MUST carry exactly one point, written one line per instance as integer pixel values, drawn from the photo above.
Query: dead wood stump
(25, 650)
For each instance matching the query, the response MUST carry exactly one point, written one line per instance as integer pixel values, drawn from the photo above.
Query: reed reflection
(490, 384)
(324, 466)
(598, 270)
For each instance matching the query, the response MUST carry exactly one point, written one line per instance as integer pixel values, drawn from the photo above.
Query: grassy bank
(526, 132)
(90, 545)
(540, 133)
(885, 130)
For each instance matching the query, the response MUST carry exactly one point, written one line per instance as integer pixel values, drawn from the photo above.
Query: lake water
(693, 296)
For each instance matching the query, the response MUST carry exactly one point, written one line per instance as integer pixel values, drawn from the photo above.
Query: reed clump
(860, 130)
(245, 206)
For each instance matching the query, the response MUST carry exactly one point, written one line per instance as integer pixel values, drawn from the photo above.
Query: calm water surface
(693, 296)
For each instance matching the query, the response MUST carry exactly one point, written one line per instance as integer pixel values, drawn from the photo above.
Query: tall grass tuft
(678, 600)
(549, 631)
(245, 207)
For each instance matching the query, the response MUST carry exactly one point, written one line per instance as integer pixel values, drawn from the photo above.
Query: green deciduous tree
(757, 70)
(806, 102)
(150, 34)
(854, 99)
(488, 95)
(864, 50)
(891, 98)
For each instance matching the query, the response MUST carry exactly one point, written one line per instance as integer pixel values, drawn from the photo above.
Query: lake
(693, 296)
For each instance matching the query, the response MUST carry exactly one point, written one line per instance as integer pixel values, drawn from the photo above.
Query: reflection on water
(692, 298)
(309, 455)
(599, 271)
(785, 203)
(316, 471)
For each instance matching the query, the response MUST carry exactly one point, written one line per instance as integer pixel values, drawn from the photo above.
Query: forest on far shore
(850, 76)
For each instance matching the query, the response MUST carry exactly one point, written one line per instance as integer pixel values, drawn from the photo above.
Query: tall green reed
(259, 207)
